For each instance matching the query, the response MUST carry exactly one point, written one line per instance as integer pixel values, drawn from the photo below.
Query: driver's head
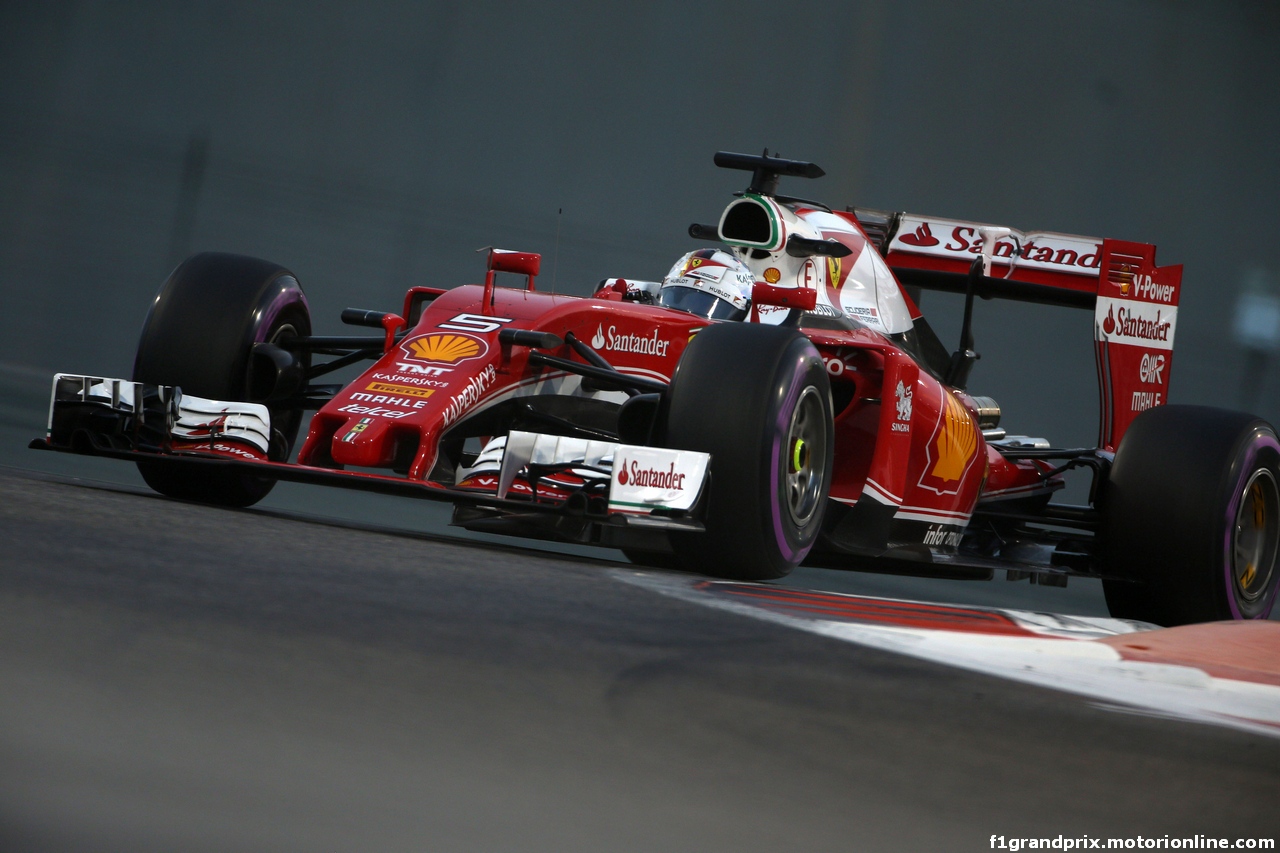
(710, 283)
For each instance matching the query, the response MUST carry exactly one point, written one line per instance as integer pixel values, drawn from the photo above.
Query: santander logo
(1044, 250)
(1138, 326)
(922, 236)
(651, 478)
(614, 341)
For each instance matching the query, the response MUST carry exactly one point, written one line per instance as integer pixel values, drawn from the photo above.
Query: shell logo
(956, 441)
(1123, 278)
(449, 349)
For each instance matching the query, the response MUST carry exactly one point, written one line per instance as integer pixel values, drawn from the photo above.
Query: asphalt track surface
(180, 677)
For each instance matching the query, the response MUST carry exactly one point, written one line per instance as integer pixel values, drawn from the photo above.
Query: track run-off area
(176, 676)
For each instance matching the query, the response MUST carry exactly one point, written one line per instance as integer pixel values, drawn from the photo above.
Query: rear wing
(1134, 302)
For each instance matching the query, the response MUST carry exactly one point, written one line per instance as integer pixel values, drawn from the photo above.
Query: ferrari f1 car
(775, 400)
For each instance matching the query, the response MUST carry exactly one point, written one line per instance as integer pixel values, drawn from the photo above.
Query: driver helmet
(710, 283)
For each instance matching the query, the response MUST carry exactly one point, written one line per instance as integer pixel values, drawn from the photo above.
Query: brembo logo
(614, 342)
(654, 478)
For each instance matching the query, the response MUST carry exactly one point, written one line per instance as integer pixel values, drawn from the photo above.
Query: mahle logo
(449, 349)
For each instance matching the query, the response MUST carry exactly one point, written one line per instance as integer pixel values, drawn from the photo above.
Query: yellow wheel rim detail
(1256, 538)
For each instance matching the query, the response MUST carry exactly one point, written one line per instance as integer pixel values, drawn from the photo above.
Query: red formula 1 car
(775, 400)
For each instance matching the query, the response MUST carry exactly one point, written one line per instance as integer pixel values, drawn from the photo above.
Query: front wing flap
(125, 415)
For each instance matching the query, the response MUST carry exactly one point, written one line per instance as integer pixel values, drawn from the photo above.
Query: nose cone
(365, 442)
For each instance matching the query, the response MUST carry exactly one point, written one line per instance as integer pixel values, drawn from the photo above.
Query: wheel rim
(1256, 535)
(283, 332)
(806, 461)
(284, 421)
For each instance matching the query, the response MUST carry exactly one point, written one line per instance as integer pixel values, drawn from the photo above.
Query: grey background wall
(374, 146)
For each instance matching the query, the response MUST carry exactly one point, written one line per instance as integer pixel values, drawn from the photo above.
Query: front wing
(134, 421)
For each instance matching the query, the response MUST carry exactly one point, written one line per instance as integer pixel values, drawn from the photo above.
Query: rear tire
(199, 334)
(1191, 517)
(757, 399)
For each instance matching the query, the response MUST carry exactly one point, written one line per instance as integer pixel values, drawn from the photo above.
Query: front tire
(1191, 517)
(757, 399)
(199, 335)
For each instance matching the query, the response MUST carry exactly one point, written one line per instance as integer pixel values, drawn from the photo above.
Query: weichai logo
(444, 348)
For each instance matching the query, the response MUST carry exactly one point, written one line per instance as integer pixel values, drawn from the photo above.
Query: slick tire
(199, 335)
(1191, 517)
(757, 399)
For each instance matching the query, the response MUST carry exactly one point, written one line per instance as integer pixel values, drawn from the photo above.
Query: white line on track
(1061, 653)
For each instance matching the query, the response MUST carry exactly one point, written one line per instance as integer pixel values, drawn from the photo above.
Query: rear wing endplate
(1134, 302)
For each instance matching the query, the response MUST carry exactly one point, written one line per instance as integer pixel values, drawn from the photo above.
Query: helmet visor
(699, 302)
